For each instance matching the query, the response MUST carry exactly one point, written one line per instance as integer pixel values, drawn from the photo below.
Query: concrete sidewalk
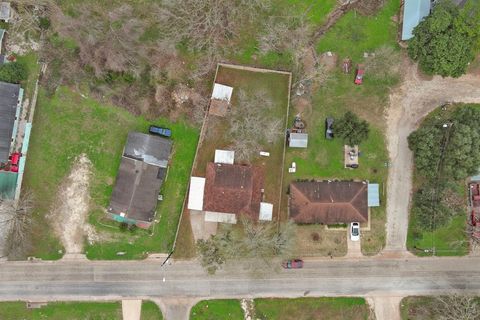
(131, 309)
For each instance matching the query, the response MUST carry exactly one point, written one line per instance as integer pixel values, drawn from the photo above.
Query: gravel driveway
(409, 104)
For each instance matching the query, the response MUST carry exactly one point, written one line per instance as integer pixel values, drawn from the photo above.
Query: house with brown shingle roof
(232, 190)
(328, 202)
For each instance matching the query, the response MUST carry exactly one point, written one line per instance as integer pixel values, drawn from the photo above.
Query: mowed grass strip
(75, 311)
(62, 310)
(67, 125)
(217, 310)
(312, 308)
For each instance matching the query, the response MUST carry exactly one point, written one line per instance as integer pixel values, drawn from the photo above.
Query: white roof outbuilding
(298, 140)
(266, 210)
(222, 92)
(224, 156)
(195, 194)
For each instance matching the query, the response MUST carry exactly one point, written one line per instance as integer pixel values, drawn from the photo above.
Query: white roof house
(224, 156)
(222, 92)
(266, 210)
(298, 140)
(195, 194)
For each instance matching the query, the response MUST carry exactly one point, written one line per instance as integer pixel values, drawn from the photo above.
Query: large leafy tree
(445, 42)
(351, 129)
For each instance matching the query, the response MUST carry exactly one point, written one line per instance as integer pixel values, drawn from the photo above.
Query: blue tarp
(373, 195)
(413, 12)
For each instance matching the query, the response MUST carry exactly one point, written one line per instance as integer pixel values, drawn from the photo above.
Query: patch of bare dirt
(409, 104)
(70, 210)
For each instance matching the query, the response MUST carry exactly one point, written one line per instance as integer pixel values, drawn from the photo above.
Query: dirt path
(410, 103)
(385, 308)
(69, 214)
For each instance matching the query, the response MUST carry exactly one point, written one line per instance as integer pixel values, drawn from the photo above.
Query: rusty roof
(328, 202)
(233, 188)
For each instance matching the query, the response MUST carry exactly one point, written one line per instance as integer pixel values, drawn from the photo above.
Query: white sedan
(355, 231)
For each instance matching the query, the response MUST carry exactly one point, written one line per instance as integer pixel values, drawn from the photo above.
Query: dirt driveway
(409, 103)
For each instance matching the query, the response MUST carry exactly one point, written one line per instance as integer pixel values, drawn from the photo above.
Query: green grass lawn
(67, 125)
(217, 310)
(355, 34)
(74, 311)
(312, 308)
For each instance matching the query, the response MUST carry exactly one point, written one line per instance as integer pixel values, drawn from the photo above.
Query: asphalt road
(113, 280)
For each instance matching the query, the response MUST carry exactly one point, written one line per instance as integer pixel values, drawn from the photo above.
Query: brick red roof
(233, 188)
(328, 202)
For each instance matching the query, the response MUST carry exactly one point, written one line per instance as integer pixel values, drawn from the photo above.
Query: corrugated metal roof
(5, 11)
(224, 156)
(8, 184)
(148, 148)
(222, 92)
(266, 210)
(195, 194)
(373, 195)
(413, 12)
(298, 140)
(9, 101)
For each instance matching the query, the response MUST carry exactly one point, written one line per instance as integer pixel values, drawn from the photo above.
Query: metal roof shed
(222, 92)
(298, 140)
(9, 102)
(413, 13)
(5, 11)
(373, 195)
(266, 210)
(224, 156)
(195, 194)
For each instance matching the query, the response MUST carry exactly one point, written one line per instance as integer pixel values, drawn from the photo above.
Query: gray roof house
(413, 13)
(10, 103)
(143, 169)
(298, 140)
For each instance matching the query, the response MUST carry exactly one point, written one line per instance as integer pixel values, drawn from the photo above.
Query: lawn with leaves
(217, 310)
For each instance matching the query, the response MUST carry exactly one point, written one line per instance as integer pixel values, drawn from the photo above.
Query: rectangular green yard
(67, 125)
(74, 311)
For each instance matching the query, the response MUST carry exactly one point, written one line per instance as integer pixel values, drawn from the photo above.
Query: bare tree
(458, 307)
(251, 124)
(209, 25)
(15, 220)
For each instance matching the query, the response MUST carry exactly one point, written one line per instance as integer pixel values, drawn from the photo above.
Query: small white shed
(222, 92)
(298, 140)
(224, 156)
(195, 194)
(266, 210)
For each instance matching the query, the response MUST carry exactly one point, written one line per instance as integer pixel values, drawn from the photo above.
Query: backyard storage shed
(413, 13)
(5, 11)
(266, 211)
(298, 140)
(232, 190)
(224, 156)
(221, 97)
(373, 195)
(143, 169)
(10, 104)
(328, 202)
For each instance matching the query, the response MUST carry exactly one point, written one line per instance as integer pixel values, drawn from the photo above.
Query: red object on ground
(14, 161)
(293, 264)
(359, 74)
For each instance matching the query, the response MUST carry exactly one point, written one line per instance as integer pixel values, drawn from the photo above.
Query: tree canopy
(351, 129)
(445, 42)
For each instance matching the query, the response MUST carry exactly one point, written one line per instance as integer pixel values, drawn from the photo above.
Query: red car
(293, 264)
(359, 75)
(14, 161)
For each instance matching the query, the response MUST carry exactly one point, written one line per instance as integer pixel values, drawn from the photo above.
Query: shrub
(13, 72)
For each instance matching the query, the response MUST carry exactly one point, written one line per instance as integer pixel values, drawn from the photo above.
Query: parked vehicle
(329, 128)
(164, 132)
(14, 161)
(359, 74)
(293, 264)
(355, 231)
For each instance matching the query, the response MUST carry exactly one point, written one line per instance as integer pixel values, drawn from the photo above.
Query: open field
(67, 125)
(74, 311)
(217, 309)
